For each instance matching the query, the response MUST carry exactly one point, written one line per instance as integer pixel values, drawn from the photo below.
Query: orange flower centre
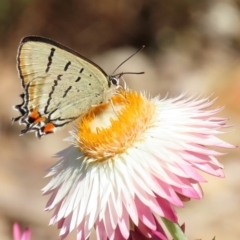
(109, 129)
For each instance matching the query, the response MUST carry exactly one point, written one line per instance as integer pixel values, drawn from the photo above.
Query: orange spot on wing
(36, 117)
(48, 128)
(34, 114)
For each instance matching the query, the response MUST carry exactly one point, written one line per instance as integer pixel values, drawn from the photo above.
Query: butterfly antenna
(140, 49)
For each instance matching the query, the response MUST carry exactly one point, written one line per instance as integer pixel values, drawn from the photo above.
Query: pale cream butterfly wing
(59, 85)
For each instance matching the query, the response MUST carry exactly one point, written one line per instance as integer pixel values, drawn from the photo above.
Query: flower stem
(174, 229)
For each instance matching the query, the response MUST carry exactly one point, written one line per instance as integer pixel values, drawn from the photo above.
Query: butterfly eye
(114, 81)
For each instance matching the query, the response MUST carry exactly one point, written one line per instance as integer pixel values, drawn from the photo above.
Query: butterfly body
(59, 85)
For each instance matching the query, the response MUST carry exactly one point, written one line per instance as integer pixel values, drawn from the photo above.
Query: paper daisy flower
(132, 160)
(17, 235)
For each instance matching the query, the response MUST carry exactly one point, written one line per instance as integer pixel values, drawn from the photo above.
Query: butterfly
(59, 85)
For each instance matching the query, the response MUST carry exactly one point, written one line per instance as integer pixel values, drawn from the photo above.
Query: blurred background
(191, 46)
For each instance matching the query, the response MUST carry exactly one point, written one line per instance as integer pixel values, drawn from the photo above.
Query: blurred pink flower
(131, 161)
(26, 235)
